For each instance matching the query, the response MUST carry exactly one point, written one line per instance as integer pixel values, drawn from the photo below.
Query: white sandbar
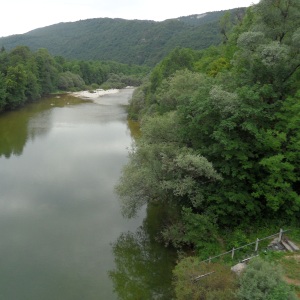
(94, 94)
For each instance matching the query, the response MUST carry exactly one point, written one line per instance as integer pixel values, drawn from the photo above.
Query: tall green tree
(162, 168)
(178, 59)
(15, 81)
(2, 92)
(47, 71)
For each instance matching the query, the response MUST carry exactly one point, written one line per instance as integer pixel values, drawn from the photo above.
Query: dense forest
(126, 41)
(26, 75)
(219, 145)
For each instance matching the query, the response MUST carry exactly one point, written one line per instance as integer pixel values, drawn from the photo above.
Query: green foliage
(160, 169)
(202, 232)
(278, 18)
(237, 238)
(142, 177)
(2, 92)
(47, 72)
(269, 52)
(127, 41)
(263, 280)
(225, 24)
(137, 102)
(233, 110)
(26, 76)
(68, 80)
(119, 81)
(15, 81)
(178, 59)
(179, 88)
(219, 285)
(218, 66)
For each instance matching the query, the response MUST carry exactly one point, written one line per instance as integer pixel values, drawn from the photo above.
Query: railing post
(280, 235)
(256, 245)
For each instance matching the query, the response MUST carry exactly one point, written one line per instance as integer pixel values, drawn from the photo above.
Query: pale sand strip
(94, 94)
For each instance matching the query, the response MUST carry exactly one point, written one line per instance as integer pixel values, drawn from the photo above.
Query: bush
(219, 285)
(262, 280)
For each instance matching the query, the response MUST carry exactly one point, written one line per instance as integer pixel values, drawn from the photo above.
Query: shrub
(262, 280)
(219, 285)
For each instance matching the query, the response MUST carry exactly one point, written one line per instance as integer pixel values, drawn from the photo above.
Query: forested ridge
(26, 75)
(220, 140)
(126, 41)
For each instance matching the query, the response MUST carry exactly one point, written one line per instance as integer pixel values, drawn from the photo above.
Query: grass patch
(291, 266)
(294, 235)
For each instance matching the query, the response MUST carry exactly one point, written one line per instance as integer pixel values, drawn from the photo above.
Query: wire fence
(248, 250)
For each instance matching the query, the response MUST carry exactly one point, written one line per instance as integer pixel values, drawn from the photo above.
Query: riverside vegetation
(219, 143)
(219, 146)
(26, 75)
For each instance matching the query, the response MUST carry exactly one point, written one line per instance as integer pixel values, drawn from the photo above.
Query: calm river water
(62, 235)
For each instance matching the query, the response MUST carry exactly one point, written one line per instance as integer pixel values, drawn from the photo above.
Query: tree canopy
(141, 42)
(26, 75)
(220, 129)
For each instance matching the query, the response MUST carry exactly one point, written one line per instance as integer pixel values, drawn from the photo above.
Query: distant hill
(126, 41)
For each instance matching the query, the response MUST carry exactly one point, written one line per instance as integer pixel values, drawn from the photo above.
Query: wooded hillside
(126, 41)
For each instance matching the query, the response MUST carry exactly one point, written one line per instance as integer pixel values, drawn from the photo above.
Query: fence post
(209, 260)
(232, 253)
(256, 245)
(280, 235)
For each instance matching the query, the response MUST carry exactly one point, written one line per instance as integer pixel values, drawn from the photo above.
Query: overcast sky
(20, 16)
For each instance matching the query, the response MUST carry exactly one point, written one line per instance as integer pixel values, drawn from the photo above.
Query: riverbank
(94, 94)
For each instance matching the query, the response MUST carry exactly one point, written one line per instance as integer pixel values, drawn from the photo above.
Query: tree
(68, 80)
(33, 88)
(15, 82)
(269, 52)
(278, 18)
(160, 168)
(20, 54)
(2, 92)
(47, 72)
(178, 59)
(225, 25)
(137, 102)
(179, 88)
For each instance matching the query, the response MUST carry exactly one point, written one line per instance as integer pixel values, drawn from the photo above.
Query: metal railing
(256, 243)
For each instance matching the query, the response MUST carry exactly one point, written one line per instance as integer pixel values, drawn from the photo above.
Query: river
(62, 234)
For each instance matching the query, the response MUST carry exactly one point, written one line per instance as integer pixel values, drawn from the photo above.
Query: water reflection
(134, 128)
(58, 210)
(17, 127)
(13, 135)
(143, 266)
